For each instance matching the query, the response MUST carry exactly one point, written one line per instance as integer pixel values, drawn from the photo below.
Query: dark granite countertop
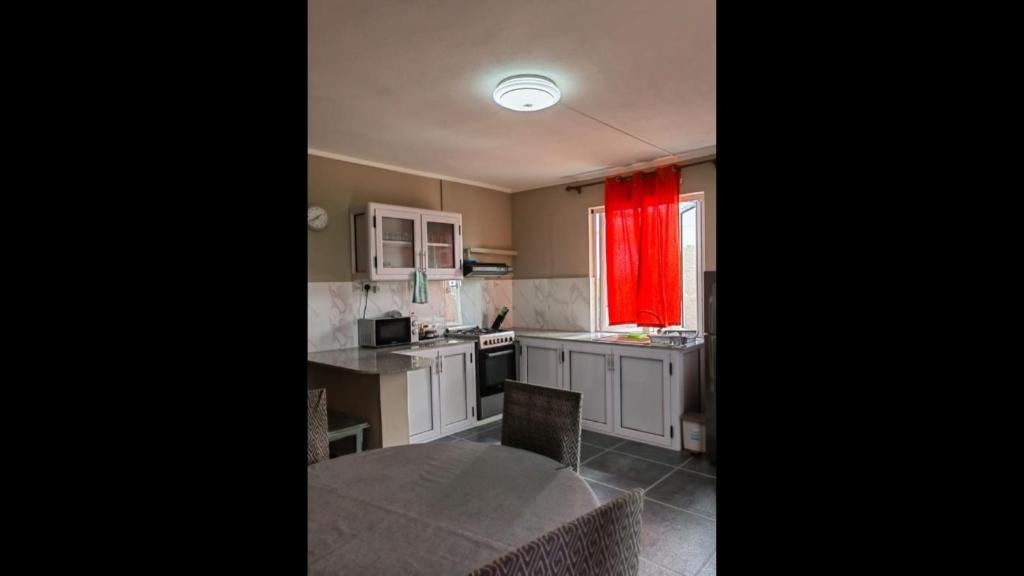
(380, 360)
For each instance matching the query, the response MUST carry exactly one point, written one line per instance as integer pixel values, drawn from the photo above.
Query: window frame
(598, 268)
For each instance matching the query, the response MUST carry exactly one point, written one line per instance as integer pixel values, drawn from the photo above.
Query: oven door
(496, 366)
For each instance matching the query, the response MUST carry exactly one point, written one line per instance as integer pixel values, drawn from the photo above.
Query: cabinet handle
(611, 362)
(563, 356)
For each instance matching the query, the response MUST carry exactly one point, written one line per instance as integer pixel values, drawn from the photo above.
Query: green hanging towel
(419, 287)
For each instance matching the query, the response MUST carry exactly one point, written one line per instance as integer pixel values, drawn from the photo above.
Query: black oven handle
(491, 355)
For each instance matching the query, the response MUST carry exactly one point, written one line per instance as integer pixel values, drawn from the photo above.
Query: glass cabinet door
(443, 245)
(397, 242)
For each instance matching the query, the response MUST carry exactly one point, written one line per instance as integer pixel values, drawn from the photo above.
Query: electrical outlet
(374, 288)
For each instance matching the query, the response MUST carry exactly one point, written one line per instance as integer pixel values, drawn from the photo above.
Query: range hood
(474, 268)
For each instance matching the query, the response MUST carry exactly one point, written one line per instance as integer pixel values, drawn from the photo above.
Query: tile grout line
(705, 564)
(697, 473)
(675, 467)
(603, 451)
(648, 489)
(646, 497)
(680, 509)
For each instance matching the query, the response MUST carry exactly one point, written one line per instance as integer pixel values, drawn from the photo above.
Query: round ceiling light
(526, 93)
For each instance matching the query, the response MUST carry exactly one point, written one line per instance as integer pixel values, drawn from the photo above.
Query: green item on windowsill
(637, 336)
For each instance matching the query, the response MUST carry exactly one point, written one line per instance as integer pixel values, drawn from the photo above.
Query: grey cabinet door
(422, 396)
(457, 394)
(643, 395)
(422, 409)
(542, 363)
(587, 370)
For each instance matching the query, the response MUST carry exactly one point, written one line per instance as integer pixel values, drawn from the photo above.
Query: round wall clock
(316, 217)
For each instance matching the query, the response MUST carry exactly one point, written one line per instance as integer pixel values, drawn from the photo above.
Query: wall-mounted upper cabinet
(392, 242)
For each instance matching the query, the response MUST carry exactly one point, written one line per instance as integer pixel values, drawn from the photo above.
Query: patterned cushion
(605, 542)
(543, 420)
(317, 447)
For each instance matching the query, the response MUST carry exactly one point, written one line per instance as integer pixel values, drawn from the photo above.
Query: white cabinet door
(458, 388)
(587, 369)
(441, 252)
(398, 242)
(643, 395)
(423, 400)
(541, 362)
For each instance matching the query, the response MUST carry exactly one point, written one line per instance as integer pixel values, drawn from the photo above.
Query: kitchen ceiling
(409, 84)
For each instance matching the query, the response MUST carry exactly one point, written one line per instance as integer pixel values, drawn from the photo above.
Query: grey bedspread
(444, 508)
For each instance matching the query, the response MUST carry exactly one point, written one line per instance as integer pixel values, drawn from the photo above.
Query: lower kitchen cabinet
(541, 362)
(588, 369)
(645, 389)
(457, 388)
(424, 400)
(629, 391)
(441, 399)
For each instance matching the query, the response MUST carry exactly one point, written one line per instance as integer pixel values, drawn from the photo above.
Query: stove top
(484, 337)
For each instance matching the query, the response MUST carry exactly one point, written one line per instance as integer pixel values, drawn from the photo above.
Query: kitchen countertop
(591, 338)
(380, 360)
(388, 361)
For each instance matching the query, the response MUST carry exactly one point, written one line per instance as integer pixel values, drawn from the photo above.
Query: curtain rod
(579, 187)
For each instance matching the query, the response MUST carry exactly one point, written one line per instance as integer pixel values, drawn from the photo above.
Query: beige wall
(336, 186)
(550, 226)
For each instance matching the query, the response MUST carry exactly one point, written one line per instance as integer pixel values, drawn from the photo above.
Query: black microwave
(377, 332)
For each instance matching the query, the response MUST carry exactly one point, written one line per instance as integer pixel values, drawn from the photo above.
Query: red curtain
(642, 248)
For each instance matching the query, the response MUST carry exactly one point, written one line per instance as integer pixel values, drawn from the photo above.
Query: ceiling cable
(637, 138)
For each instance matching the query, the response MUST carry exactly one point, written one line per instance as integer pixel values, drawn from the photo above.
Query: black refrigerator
(709, 394)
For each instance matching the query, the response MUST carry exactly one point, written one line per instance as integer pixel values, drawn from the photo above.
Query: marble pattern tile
(334, 307)
(471, 301)
(481, 300)
(330, 316)
(497, 293)
(553, 303)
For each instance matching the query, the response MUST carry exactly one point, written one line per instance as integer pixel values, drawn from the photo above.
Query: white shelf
(498, 251)
(398, 242)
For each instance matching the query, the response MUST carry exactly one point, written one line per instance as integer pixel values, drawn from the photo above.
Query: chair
(543, 420)
(317, 447)
(341, 425)
(603, 542)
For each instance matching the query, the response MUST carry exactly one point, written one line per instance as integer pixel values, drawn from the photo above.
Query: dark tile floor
(679, 500)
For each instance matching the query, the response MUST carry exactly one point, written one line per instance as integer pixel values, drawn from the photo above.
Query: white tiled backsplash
(558, 303)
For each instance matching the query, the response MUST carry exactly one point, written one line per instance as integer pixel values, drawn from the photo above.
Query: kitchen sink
(616, 337)
(620, 338)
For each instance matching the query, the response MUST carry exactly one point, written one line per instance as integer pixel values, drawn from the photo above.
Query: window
(691, 235)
